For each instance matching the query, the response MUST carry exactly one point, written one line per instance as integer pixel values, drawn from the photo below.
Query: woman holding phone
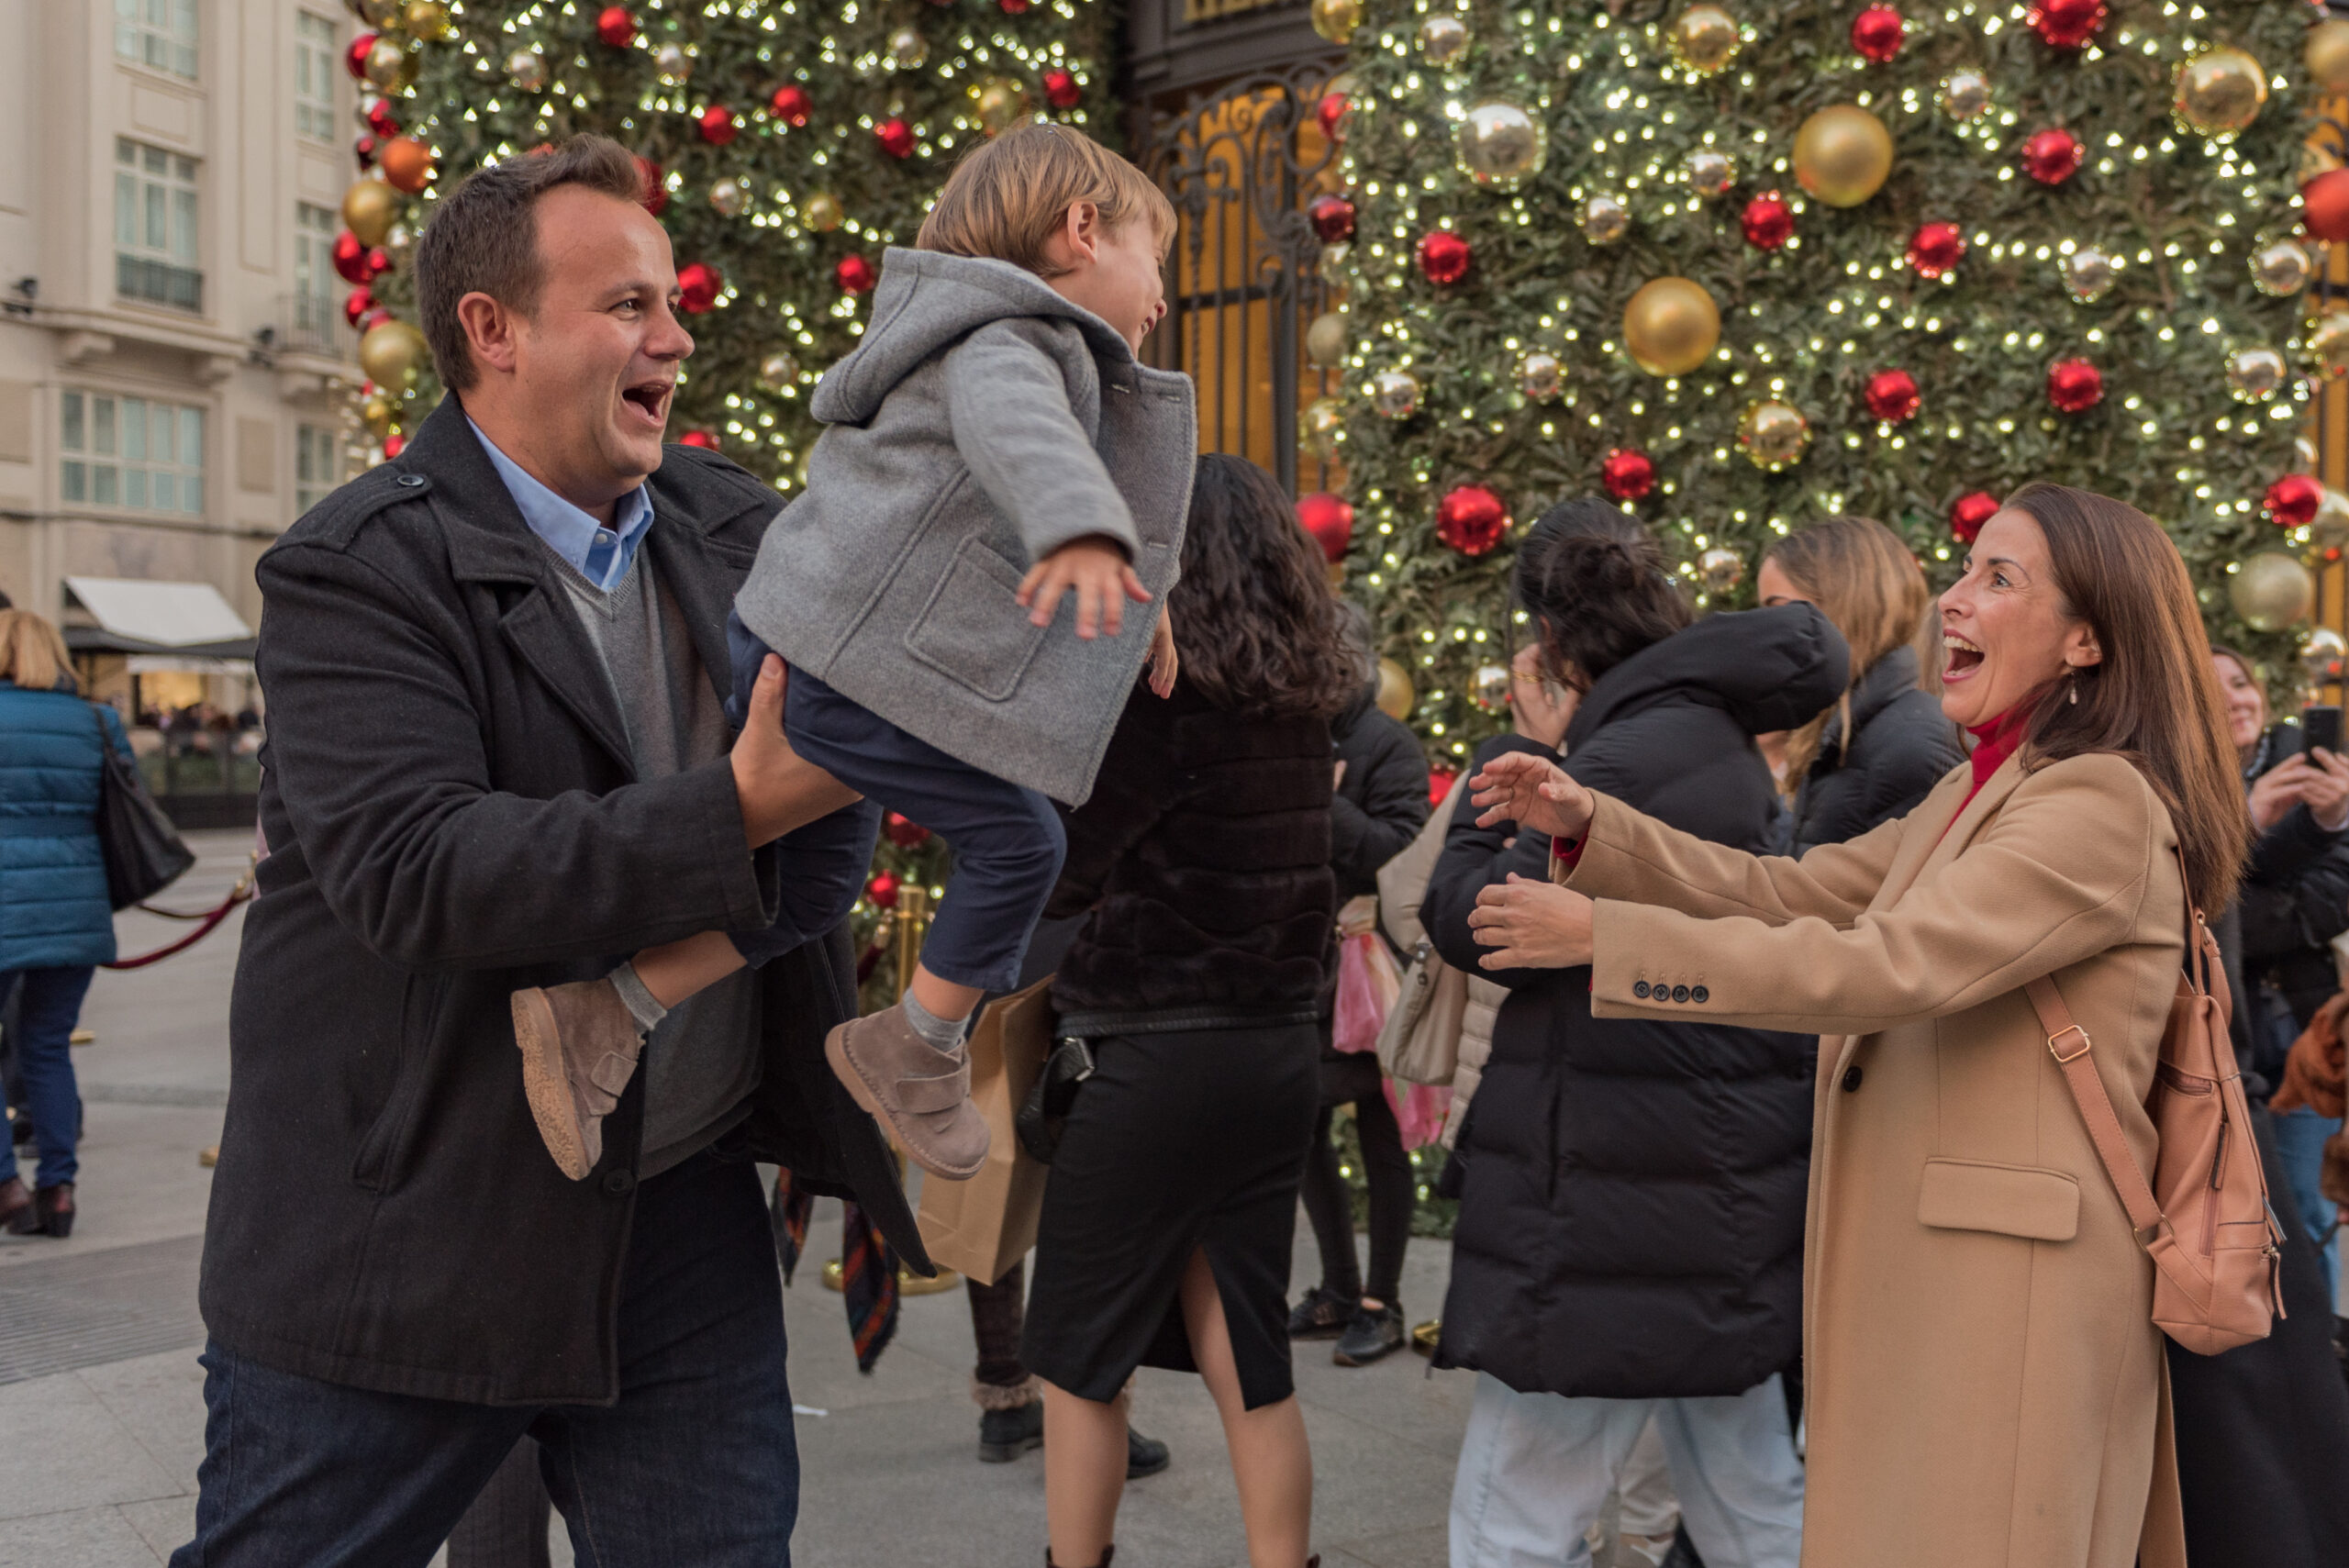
(1986, 1383)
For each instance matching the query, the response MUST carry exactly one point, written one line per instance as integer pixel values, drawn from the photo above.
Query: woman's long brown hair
(1256, 623)
(1864, 578)
(2154, 698)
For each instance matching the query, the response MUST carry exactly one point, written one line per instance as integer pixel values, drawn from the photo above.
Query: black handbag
(1045, 1112)
(144, 853)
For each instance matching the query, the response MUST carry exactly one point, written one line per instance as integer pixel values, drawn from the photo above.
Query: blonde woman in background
(1875, 753)
(56, 922)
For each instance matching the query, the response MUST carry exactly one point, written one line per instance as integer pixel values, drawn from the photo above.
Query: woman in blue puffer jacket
(56, 923)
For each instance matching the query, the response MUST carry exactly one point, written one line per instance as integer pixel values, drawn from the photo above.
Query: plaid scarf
(868, 1266)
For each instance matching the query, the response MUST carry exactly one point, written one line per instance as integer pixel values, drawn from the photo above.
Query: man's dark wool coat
(452, 813)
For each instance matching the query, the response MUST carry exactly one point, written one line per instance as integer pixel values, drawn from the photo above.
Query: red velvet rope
(210, 921)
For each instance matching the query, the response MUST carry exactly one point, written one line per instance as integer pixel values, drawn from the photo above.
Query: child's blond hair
(1011, 195)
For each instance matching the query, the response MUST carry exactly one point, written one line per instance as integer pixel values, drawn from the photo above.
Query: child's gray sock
(941, 1034)
(647, 1012)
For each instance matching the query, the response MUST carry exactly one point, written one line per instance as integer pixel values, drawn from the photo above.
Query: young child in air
(998, 479)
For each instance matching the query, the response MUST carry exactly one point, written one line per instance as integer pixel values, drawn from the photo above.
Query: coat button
(411, 480)
(619, 1183)
(1852, 1079)
(1680, 993)
(1699, 994)
(1640, 989)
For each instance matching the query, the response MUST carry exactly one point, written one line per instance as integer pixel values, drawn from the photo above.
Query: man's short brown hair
(1011, 195)
(484, 239)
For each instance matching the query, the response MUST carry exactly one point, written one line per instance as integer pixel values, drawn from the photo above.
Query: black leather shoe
(16, 1211)
(1370, 1335)
(1145, 1456)
(55, 1207)
(1322, 1315)
(1005, 1435)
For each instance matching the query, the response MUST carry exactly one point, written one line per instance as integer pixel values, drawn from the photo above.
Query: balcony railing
(312, 324)
(136, 277)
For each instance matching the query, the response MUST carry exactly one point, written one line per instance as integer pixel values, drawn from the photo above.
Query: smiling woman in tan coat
(1987, 1387)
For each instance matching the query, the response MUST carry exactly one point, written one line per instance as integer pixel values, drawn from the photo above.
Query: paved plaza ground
(101, 1400)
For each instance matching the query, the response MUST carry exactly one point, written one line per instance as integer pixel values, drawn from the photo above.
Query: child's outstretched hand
(1162, 661)
(1093, 569)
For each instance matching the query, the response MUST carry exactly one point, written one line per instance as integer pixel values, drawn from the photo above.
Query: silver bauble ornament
(1490, 685)
(1443, 39)
(2088, 273)
(2320, 656)
(728, 196)
(1541, 375)
(1498, 144)
(1720, 570)
(2329, 530)
(1395, 394)
(2281, 267)
(1319, 427)
(672, 64)
(779, 370)
(2257, 373)
(1965, 94)
(1709, 171)
(526, 69)
(908, 48)
(1604, 220)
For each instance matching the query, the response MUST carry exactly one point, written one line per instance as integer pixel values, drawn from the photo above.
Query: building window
(318, 466)
(154, 226)
(317, 51)
(161, 33)
(130, 453)
(315, 309)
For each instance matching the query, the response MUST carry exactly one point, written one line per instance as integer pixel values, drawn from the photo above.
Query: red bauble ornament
(1014, 7)
(1331, 112)
(1329, 520)
(718, 127)
(895, 137)
(381, 120)
(2292, 500)
(1892, 395)
(1444, 256)
(2067, 24)
(1440, 783)
(1875, 33)
(2074, 386)
(1969, 512)
(697, 287)
(904, 831)
(364, 150)
(790, 104)
(379, 261)
(706, 440)
(354, 58)
(393, 444)
(2324, 205)
(1628, 475)
(855, 275)
(882, 891)
(656, 189)
(1768, 221)
(2052, 157)
(1470, 519)
(350, 258)
(616, 27)
(1061, 90)
(1333, 217)
(1935, 248)
(360, 301)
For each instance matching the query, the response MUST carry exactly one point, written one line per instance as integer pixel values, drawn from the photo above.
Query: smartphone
(2321, 726)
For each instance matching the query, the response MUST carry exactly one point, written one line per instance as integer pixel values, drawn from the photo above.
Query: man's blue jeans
(46, 1013)
(696, 1465)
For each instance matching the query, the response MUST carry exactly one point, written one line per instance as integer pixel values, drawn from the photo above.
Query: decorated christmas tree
(1742, 264)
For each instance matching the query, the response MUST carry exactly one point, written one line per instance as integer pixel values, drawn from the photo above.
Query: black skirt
(1179, 1141)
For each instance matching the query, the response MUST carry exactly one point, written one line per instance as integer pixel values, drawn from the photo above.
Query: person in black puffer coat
(1877, 752)
(1629, 1237)
(1381, 803)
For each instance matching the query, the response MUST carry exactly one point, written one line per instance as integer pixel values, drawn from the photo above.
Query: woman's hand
(1532, 792)
(2277, 791)
(2325, 789)
(1532, 925)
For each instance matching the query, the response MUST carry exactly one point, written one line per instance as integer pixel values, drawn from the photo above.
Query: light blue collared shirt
(601, 555)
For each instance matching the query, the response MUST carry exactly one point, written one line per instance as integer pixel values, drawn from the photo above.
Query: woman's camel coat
(1986, 1389)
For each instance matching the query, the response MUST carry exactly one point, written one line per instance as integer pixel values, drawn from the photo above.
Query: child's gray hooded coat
(982, 422)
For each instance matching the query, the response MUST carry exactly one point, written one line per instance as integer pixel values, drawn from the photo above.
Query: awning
(135, 617)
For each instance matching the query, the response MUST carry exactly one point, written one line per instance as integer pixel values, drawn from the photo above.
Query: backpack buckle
(2056, 1051)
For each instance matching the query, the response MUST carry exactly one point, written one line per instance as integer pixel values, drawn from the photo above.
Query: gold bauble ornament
(2271, 591)
(823, 213)
(526, 69)
(1603, 220)
(1491, 686)
(2326, 54)
(1325, 340)
(392, 353)
(1842, 154)
(908, 48)
(378, 414)
(2281, 267)
(673, 64)
(728, 196)
(2219, 92)
(1773, 435)
(1965, 94)
(1541, 375)
(1720, 570)
(2319, 657)
(368, 208)
(779, 370)
(997, 103)
(1442, 38)
(1671, 326)
(2327, 343)
(427, 20)
(1395, 394)
(1499, 144)
(1703, 39)
(1337, 19)
(391, 64)
(2257, 373)
(2088, 273)
(1709, 171)
(1320, 424)
(1395, 698)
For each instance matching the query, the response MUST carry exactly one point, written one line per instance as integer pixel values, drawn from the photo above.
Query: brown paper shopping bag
(983, 1226)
